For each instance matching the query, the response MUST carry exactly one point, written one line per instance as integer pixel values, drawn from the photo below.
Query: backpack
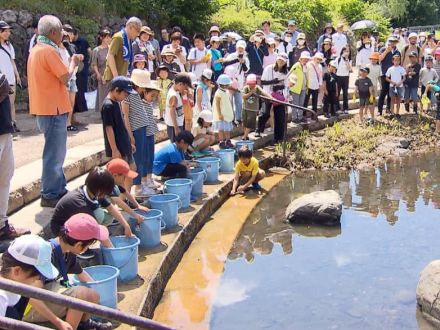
(405, 49)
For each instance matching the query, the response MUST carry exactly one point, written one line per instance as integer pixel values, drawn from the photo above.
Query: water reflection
(381, 193)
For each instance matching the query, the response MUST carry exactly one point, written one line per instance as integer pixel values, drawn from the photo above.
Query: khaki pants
(32, 316)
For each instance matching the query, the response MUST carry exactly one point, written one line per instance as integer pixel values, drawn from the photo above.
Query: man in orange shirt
(49, 102)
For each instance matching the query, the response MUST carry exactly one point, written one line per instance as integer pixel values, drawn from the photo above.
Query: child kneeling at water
(26, 261)
(247, 172)
(77, 234)
(170, 161)
(203, 136)
(92, 199)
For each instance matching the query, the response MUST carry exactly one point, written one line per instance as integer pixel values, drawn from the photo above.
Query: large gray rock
(428, 293)
(25, 18)
(9, 16)
(320, 207)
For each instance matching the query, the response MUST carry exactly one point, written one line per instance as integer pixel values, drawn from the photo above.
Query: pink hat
(83, 227)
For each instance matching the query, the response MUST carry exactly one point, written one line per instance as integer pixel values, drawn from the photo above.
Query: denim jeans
(53, 181)
(298, 99)
(238, 103)
(6, 173)
(144, 155)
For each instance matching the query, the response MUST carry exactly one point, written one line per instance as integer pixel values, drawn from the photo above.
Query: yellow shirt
(115, 49)
(252, 167)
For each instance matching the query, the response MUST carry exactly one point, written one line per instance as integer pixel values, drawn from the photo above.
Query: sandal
(72, 128)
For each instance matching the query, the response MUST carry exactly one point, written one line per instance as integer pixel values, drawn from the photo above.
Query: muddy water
(361, 275)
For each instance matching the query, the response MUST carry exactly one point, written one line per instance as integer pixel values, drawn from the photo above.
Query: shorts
(245, 176)
(72, 88)
(363, 102)
(249, 118)
(411, 94)
(396, 91)
(32, 316)
(225, 126)
(199, 142)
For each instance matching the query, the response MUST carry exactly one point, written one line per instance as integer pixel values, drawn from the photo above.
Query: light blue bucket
(226, 160)
(104, 282)
(180, 187)
(198, 177)
(148, 231)
(124, 256)
(242, 143)
(169, 204)
(211, 166)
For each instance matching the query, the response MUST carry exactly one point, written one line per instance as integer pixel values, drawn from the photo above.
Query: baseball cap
(393, 39)
(120, 166)
(333, 64)
(412, 35)
(206, 115)
(270, 41)
(251, 79)
(214, 28)
(83, 227)
(365, 69)
(186, 136)
(374, 56)
(429, 58)
(291, 22)
(4, 25)
(139, 58)
(123, 83)
(413, 54)
(282, 56)
(35, 251)
(207, 73)
(301, 36)
(215, 39)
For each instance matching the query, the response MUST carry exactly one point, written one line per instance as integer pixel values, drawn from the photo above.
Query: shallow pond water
(361, 275)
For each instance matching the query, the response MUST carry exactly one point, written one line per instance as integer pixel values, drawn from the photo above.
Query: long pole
(81, 305)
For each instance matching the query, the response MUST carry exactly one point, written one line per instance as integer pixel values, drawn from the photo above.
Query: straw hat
(141, 78)
(168, 52)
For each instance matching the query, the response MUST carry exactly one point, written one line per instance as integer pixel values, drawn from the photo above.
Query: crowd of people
(201, 88)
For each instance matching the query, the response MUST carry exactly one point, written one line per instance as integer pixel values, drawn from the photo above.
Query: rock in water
(320, 207)
(428, 293)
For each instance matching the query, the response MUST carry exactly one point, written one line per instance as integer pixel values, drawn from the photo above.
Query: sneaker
(94, 325)
(257, 134)
(229, 144)
(407, 107)
(14, 125)
(345, 112)
(151, 184)
(161, 119)
(147, 191)
(49, 202)
(9, 232)
(269, 130)
(222, 145)
(256, 186)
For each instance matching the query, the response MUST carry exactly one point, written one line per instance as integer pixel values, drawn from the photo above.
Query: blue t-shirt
(167, 155)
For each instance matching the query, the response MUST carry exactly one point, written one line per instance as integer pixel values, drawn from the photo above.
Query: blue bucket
(247, 143)
(148, 231)
(169, 204)
(104, 282)
(124, 256)
(180, 187)
(198, 176)
(226, 160)
(211, 166)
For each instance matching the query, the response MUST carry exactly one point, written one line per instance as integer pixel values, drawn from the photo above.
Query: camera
(240, 56)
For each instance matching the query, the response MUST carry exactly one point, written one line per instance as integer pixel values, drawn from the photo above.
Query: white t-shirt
(396, 73)
(339, 41)
(270, 74)
(197, 54)
(177, 60)
(7, 299)
(342, 67)
(6, 62)
(179, 108)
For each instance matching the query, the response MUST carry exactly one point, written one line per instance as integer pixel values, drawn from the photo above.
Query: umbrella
(362, 25)
(233, 35)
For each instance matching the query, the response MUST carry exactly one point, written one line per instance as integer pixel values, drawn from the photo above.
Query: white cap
(215, 39)
(206, 115)
(207, 73)
(319, 55)
(241, 44)
(305, 55)
(282, 56)
(193, 77)
(301, 36)
(412, 35)
(35, 251)
(270, 41)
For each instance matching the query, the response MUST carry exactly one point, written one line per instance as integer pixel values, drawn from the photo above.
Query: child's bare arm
(235, 183)
(118, 216)
(112, 141)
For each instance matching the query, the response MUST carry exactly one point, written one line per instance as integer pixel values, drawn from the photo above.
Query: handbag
(277, 95)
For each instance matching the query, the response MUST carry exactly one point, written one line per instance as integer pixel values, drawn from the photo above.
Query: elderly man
(339, 39)
(49, 102)
(291, 26)
(120, 52)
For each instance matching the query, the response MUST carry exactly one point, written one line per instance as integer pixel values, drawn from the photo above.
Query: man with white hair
(120, 52)
(49, 102)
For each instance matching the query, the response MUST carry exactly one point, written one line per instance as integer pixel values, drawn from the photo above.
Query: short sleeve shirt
(75, 201)
(115, 49)
(363, 85)
(252, 103)
(7, 54)
(253, 167)
(48, 96)
(396, 73)
(197, 54)
(169, 154)
(413, 80)
(330, 81)
(136, 114)
(112, 116)
(7, 299)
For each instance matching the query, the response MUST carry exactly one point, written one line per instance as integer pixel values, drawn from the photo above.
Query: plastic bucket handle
(128, 259)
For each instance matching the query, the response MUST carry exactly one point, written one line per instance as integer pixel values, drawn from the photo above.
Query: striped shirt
(137, 116)
(151, 126)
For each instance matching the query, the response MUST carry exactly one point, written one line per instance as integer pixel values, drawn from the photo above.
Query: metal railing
(70, 302)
